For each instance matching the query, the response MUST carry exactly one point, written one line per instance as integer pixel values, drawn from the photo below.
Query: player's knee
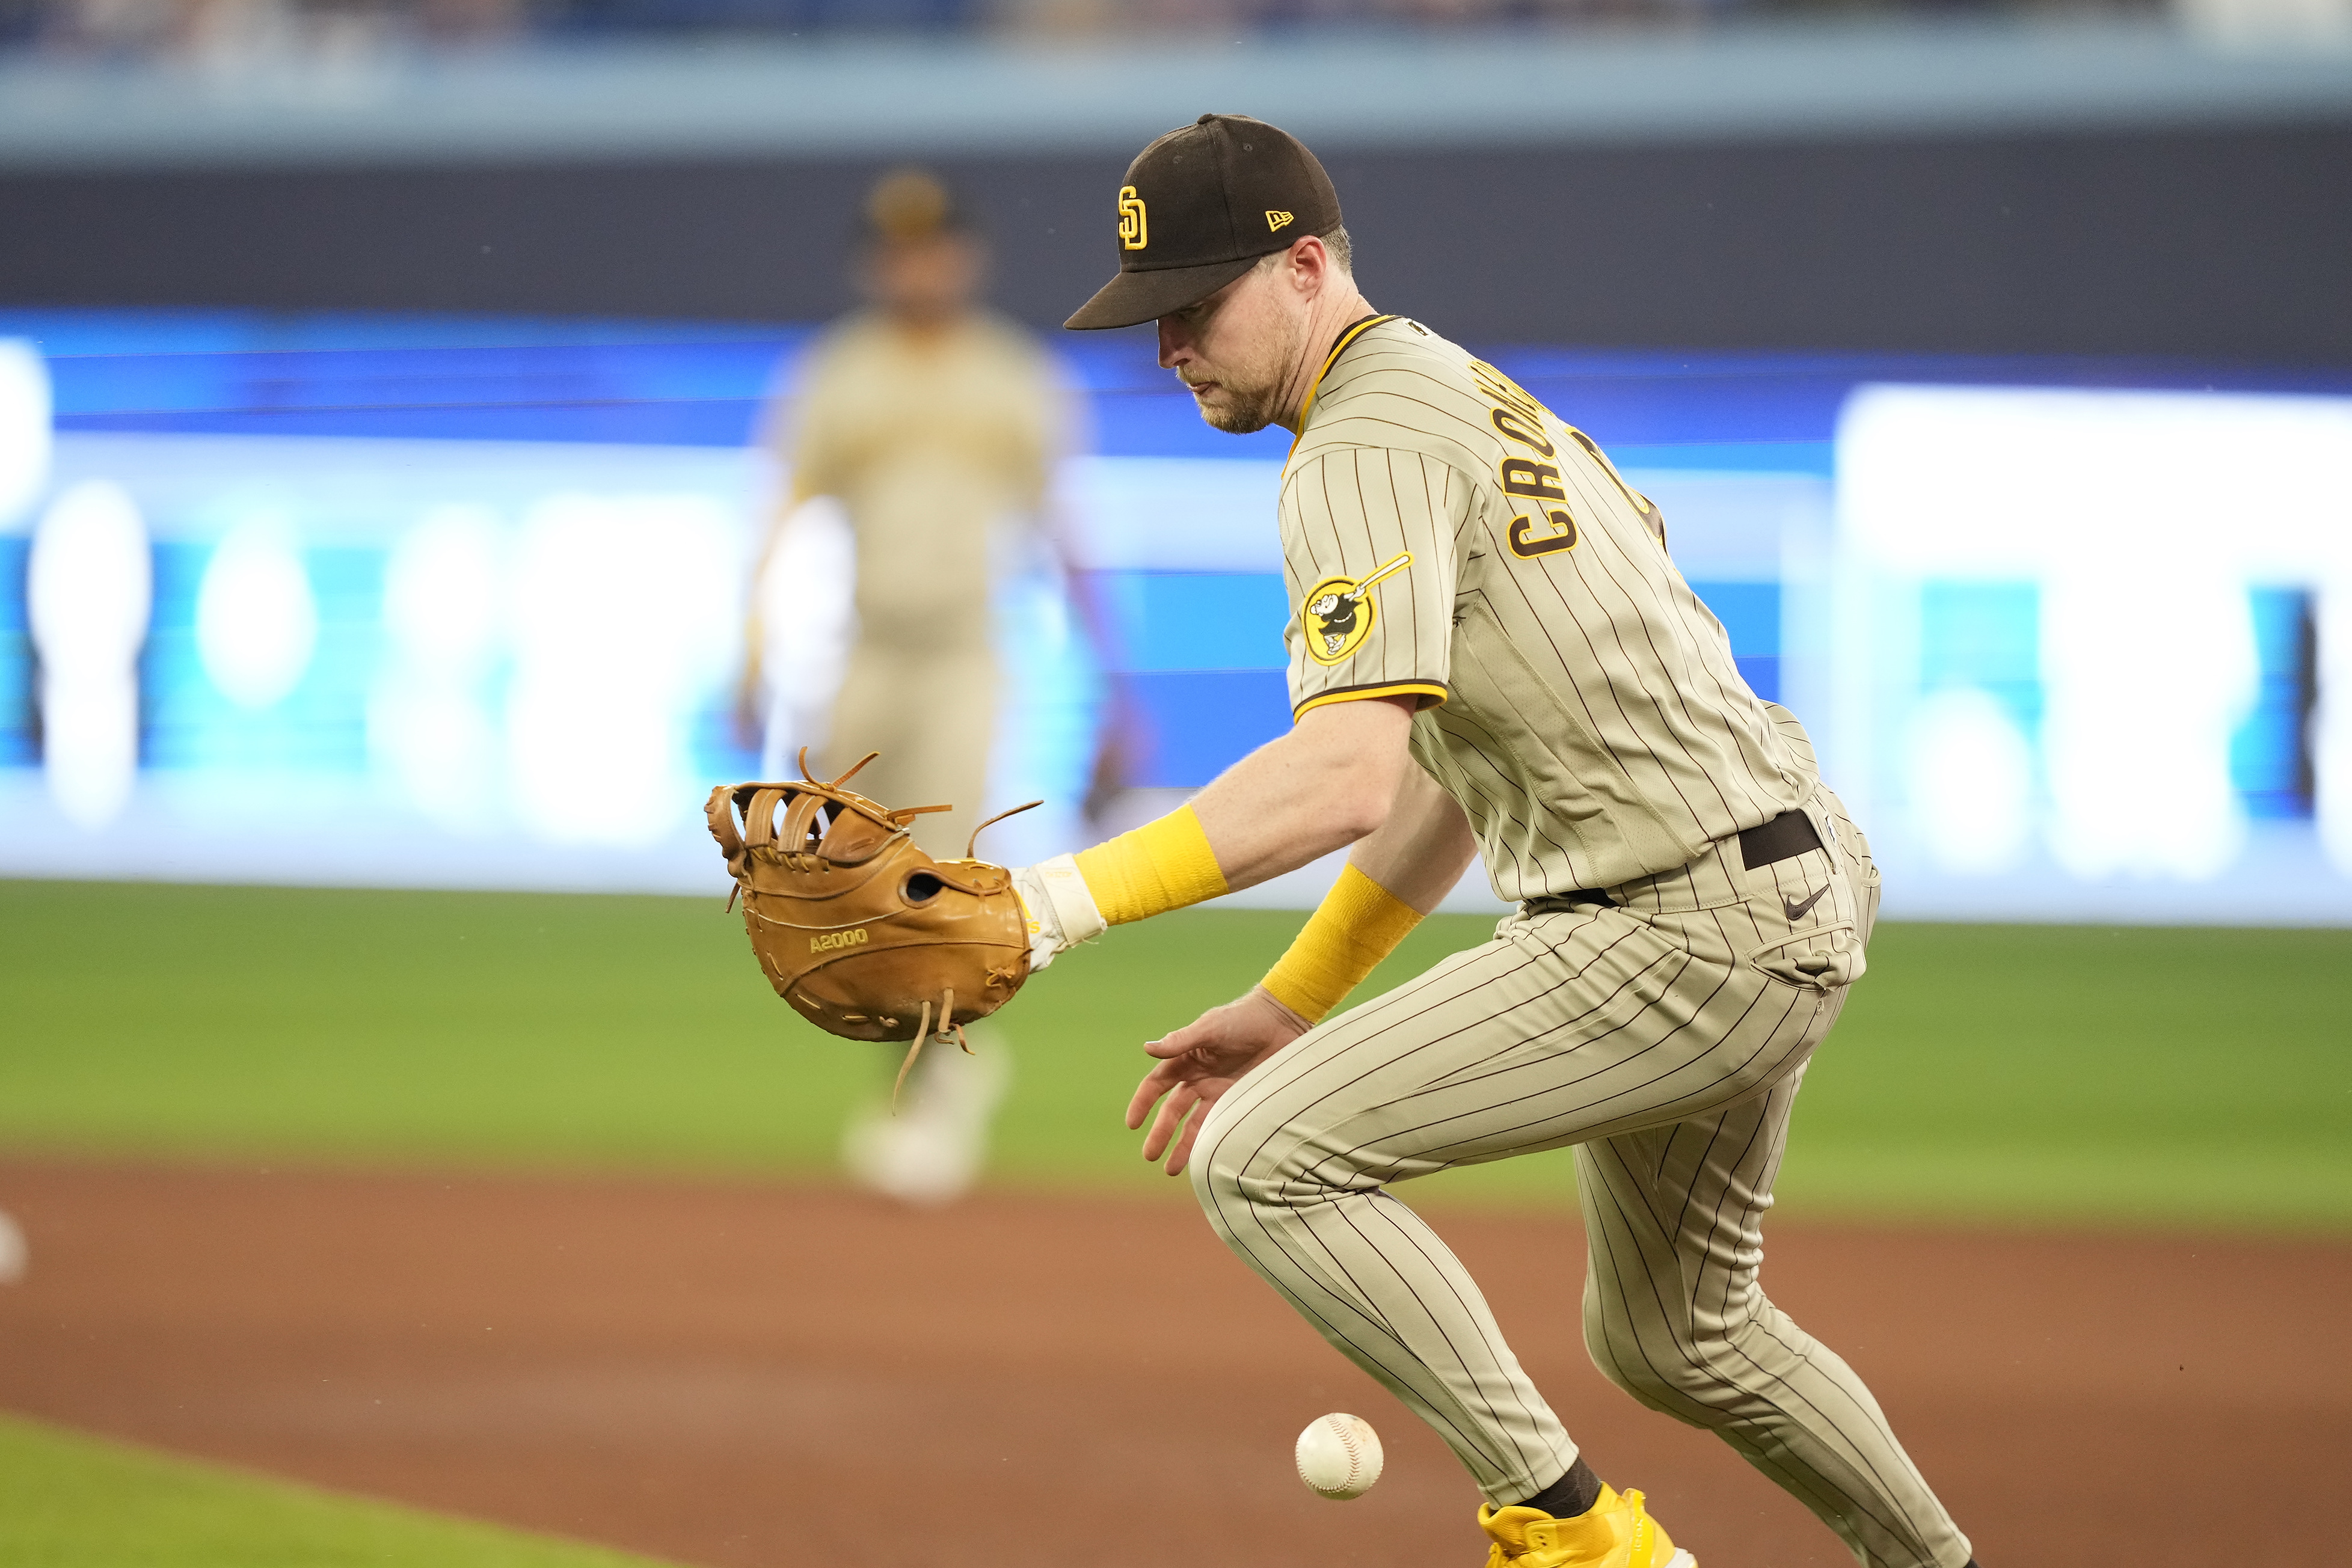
(1689, 1394)
(1211, 1173)
(1217, 1168)
(1240, 1163)
(1622, 1365)
(1659, 1369)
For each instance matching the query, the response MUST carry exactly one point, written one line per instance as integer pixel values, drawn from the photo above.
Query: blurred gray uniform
(1693, 903)
(927, 442)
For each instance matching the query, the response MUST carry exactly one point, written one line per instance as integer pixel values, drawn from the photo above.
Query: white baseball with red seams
(1339, 1457)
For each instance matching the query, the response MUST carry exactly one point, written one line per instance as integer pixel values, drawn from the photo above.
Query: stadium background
(1995, 374)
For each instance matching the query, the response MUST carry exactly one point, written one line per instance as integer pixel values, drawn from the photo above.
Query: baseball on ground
(1339, 1457)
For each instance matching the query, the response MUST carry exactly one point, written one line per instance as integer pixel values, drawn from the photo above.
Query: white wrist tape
(1075, 910)
(1061, 911)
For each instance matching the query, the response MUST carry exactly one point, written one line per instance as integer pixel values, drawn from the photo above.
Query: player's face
(1235, 350)
(924, 280)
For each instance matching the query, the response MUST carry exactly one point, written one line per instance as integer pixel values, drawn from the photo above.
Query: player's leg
(931, 1146)
(1674, 1315)
(946, 705)
(869, 715)
(932, 713)
(1568, 1026)
(932, 716)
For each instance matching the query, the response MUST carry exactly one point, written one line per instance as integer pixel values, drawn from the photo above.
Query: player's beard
(1253, 393)
(1245, 412)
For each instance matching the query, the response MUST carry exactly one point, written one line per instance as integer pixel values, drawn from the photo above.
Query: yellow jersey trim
(1384, 689)
(1338, 348)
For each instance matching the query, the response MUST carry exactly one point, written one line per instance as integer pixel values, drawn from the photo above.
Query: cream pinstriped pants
(1666, 1038)
(931, 712)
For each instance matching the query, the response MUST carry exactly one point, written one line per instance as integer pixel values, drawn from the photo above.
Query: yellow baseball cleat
(1617, 1533)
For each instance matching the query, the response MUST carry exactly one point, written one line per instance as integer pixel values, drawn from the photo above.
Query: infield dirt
(746, 1375)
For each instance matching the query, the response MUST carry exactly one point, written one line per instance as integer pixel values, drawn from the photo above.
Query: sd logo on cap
(1199, 207)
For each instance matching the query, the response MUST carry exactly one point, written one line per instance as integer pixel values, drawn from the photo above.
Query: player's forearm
(1327, 784)
(1424, 846)
(1396, 875)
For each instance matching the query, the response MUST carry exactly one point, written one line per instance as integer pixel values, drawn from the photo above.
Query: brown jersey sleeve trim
(1434, 691)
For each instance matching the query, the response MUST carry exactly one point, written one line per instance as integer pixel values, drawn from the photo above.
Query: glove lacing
(948, 1030)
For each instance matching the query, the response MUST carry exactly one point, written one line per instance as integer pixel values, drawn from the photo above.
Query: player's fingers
(1175, 1043)
(1155, 1084)
(1182, 1155)
(1164, 1126)
(1207, 1031)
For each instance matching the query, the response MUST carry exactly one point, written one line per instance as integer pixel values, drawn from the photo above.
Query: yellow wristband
(1359, 924)
(1162, 865)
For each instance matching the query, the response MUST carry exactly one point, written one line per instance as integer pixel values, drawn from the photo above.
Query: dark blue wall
(2207, 242)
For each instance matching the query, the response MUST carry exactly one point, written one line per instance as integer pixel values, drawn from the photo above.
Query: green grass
(71, 1502)
(2038, 1074)
(2156, 1074)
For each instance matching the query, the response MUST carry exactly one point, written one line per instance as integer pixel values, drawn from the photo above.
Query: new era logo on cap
(1221, 192)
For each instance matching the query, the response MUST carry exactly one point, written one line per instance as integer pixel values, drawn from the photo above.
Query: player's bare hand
(1198, 1062)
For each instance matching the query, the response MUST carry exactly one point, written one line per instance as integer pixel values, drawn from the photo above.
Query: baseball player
(936, 423)
(1492, 656)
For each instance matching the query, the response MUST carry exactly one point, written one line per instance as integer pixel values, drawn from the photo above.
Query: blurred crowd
(231, 30)
(201, 29)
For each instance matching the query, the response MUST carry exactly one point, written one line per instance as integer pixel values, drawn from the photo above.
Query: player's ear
(1312, 262)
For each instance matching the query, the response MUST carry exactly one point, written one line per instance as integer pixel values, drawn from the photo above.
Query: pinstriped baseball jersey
(1448, 537)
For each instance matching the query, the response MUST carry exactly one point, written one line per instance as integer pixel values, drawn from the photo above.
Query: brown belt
(1785, 837)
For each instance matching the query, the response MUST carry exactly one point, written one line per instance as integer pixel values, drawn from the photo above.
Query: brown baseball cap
(1199, 207)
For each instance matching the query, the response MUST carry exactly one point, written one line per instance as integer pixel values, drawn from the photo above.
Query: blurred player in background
(932, 425)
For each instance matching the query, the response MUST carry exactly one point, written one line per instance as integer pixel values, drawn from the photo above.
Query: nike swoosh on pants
(1796, 909)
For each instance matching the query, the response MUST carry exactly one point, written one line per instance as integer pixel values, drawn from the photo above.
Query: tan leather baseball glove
(865, 934)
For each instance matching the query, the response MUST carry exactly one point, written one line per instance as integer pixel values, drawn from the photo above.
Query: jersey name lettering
(1524, 477)
(1520, 418)
(1526, 544)
(1503, 390)
(1516, 426)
